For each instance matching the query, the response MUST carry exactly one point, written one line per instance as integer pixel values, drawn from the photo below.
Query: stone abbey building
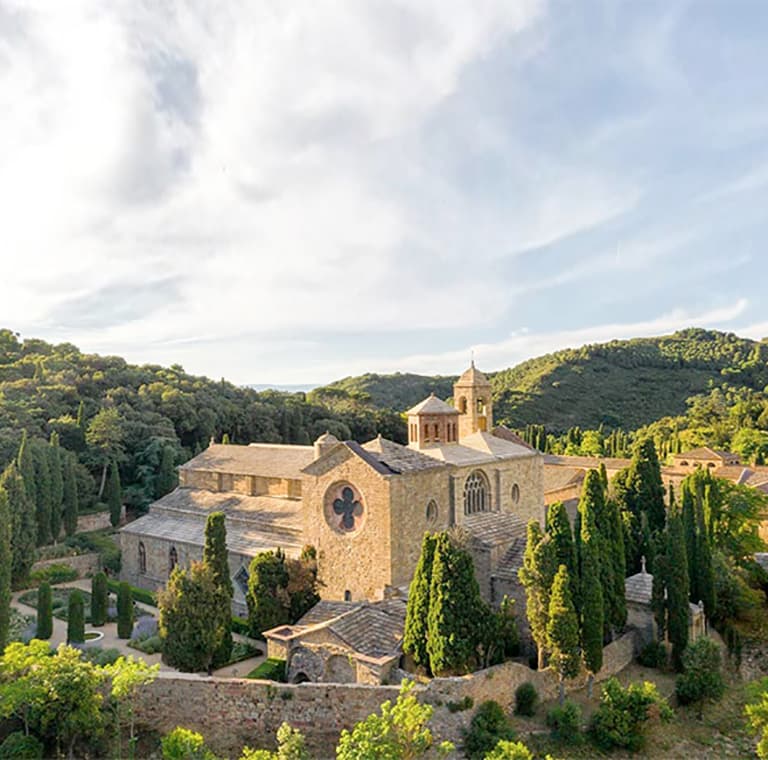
(364, 507)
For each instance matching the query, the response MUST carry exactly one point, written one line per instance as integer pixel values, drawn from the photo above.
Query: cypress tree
(705, 577)
(124, 611)
(417, 611)
(166, 479)
(23, 527)
(603, 477)
(688, 515)
(6, 561)
(215, 557)
(592, 615)
(647, 486)
(70, 494)
(563, 631)
(536, 575)
(27, 467)
(81, 415)
(559, 528)
(75, 618)
(225, 439)
(677, 588)
(114, 495)
(42, 494)
(57, 486)
(617, 613)
(44, 612)
(99, 599)
(456, 610)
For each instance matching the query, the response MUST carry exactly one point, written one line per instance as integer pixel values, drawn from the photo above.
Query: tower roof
(432, 405)
(327, 437)
(473, 376)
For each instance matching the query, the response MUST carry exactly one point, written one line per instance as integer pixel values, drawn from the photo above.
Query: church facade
(364, 507)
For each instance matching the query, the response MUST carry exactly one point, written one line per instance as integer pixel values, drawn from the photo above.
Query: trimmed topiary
(44, 612)
(124, 611)
(526, 698)
(76, 619)
(99, 599)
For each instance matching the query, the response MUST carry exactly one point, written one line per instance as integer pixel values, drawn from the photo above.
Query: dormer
(432, 423)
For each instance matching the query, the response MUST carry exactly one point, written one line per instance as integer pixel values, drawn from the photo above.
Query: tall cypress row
(677, 588)
(124, 611)
(114, 495)
(559, 528)
(23, 526)
(43, 494)
(6, 561)
(27, 467)
(592, 612)
(70, 494)
(705, 578)
(99, 599)
(215, 556)
(57, 486)
(417, 611)
(688, 510)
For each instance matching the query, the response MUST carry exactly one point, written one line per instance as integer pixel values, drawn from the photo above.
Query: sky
(295, 192)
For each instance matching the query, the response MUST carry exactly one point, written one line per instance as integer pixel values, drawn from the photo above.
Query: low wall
(96, 521)
(85, 564)
(231, 712)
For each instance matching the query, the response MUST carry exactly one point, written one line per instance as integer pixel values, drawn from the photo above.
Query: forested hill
(625, 384)
(104, 409)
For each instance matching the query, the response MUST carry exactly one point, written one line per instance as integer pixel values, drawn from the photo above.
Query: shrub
(148, 645)
(139, 594)
(565, 723)
(506, 750)
(76, 618)
(183, 744)
(21, 747)
(623, 713)
(44, 612)
(240, 625)
(488, 727)
(53, 574)
(272, 669)
(702, 677)
(124, 611)
(101, 657)
(653, 655)
(465, 703)
(526, 698)
(99, 599)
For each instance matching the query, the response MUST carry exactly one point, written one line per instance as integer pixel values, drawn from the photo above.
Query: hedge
(53, 574)
(138, 594)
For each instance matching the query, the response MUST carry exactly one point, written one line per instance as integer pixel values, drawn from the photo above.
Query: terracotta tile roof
(734, 472)
(266, 459)
(432, 405)
(398, 458)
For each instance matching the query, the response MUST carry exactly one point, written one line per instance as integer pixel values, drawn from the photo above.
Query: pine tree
(456, 610)
(99, 599)
(124, 611)
(215, 557)
(43, 494)
(166, 479)
(70, 494)
(677, 588)
(536, 575)
(57, 486)
(6, 561)
(113, 494)
(417, 611)
(44, 612)
(75, 618)
(23, 527)
(563, 631)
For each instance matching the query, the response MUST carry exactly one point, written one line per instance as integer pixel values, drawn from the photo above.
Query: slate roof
(432, 405)
(267, 459)
(325, 610)
(511, 562)
(638, 588)
(492, 528)
(398, 458)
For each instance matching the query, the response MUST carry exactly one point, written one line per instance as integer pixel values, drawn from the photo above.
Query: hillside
(627, 384)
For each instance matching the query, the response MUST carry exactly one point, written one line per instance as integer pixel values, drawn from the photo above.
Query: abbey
(364, 507)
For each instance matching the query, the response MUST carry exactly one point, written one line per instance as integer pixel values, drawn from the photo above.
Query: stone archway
(304, 662)
(339, 669)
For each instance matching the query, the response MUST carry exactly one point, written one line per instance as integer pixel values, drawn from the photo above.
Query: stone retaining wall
(85, 564)
(96, 521)
(233, 712)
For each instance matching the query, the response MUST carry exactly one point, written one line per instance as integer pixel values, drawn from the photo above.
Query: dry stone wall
(85, 564)
(96, 521)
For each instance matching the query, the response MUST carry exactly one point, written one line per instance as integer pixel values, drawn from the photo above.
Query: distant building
(705, 457)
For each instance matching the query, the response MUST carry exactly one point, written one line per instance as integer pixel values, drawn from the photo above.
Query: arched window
(173, 559)
(477, 494)
(431, 511)
(462, 405)
(142, 557)
(515, 493)
(347, 596)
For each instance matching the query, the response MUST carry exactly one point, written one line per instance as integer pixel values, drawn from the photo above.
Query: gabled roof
(432, 405)
(502, 431)
(705, 452)
(478, 448)
(399, 458)
(638, 589)
(270, 460)
(473, 376)
(317, 466)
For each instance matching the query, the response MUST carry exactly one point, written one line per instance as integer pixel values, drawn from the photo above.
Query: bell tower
(472, 399)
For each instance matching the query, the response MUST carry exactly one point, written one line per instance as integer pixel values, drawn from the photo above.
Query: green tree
(757, 716)
(124, 611)
(105, 435)
(43, 494)
(302, 583)
(216, 557)
(184, 744)
(489, 726)
(114, 495)
(71, 506)
(417, 611)
(617, 612)
(26, 463)
(75, 618)
(398, 732)
(591, 610)
(559, 528)
(57, 486)
(705, 579)
(647, 486)
(702, 677)
(506, 750)
(166, 479)
(291, 745)
(267, 583)
(99, 599)
(44, 612)
(6, 562)
(563, 631)
(536, 576)
(677, 588)
(190, 618)
(457, 613)
(23, 528)
(688, 516)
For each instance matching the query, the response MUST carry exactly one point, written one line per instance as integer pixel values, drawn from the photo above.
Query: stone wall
(85, 564)
(96, 521)
(233, 712)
